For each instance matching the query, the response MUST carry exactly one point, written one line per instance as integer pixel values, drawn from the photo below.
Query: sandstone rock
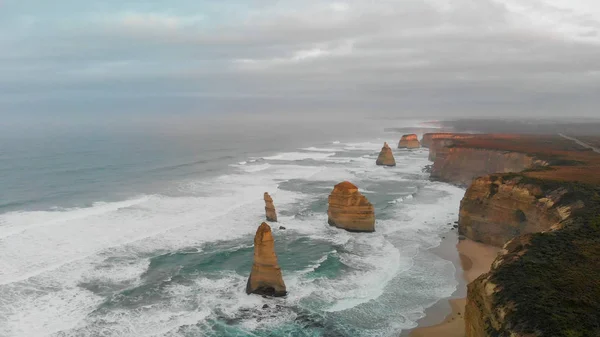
(460, 165)
(409, 142)
(265, 277)
(495, 209)
(428, 138)
(270, 208)
(350, 210)
(386, 157)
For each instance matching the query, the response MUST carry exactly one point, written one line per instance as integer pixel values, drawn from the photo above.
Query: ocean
(146, 229)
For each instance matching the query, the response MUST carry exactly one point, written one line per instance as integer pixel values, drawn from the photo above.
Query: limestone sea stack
(350, 210)
(270, 208)
(265, 277)
(386, 157)
(409, 142)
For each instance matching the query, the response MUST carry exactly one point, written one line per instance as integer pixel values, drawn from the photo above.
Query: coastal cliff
(429, 138)
(538, 198)
(460, 165)
(496, 208)
(544, 284)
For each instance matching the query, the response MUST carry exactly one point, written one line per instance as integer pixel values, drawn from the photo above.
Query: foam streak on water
(176, 265)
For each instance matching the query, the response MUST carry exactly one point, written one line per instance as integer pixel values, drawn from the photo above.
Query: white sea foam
(51, 259)
(293, 156)
(318, 149)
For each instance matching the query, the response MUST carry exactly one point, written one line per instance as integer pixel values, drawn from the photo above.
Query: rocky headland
(386, 157)
(496, 208)
(350, 210)
(270, 212)
(265, 277)
(409, 142)
(538, 197)
(428, 138)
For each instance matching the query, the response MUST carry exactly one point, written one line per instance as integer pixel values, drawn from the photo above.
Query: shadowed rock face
(350, 210)
(270, 208)
(386, 157)
(409, 142)
(265, 277)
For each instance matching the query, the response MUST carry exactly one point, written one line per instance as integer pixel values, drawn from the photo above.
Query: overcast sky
(410, 57)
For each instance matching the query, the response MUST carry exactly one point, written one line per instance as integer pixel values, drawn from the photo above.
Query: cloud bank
(410, 57)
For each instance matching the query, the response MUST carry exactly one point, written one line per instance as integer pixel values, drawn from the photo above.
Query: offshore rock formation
(350, 210)
(265, 277)
(497, 208)
(459, 165)
(386, 157)
(409, 142)
(270, 208)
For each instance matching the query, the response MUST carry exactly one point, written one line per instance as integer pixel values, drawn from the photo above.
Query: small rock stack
(265, 277)
(409, 142)
(270, 208)
(386, 157)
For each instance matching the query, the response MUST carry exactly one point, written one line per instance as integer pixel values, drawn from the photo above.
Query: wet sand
(471, 260)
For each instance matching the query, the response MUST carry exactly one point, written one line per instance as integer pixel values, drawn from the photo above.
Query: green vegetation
(553, 289)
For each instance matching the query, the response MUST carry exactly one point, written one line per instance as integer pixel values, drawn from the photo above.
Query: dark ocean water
(146, 230)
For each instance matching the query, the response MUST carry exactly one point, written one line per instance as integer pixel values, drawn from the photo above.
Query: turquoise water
(151, 235)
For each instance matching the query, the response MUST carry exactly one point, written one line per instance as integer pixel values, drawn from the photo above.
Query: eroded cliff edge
(543, 284)
(496, 208)
(546, 282)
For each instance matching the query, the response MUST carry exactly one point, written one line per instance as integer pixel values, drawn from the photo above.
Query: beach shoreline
(446, 317)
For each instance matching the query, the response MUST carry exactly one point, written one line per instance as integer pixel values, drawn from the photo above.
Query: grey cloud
(392, 55)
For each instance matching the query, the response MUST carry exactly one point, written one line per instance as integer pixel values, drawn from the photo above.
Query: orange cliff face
(350, 210)
(497, 208)
(540, 212)
(460, 165)
(270, 208)
(386, 157)
(428, 138)
(265, 277)
(439, 142)
(409, 142)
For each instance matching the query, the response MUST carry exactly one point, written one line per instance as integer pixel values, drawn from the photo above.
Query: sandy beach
(471, 260)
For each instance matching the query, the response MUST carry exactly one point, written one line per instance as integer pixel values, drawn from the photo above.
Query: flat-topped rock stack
(409, 142)
(270, 212)
(350, 210)
(265, 277)
(386, 157)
